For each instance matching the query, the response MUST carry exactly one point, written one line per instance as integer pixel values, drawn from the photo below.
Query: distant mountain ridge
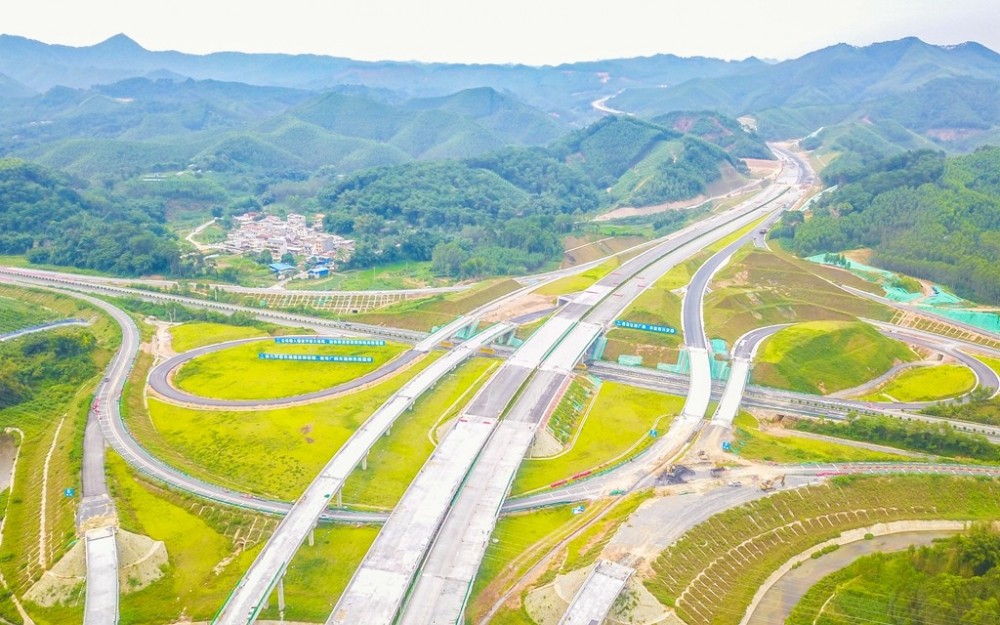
(42, 66)
(882, 82)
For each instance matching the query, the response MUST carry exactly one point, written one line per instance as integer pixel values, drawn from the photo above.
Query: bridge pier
(312, 537)
(364, 462)
(281, 598)
(340, 498)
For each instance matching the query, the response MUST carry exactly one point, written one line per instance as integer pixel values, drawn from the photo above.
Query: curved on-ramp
(160, 380)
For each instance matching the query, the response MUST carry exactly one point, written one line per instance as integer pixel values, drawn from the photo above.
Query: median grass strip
(617, 427)
(751, 443)
(328, 565)
(188, 336)
(238, 373)
(581, 281)
(396, 459)
(730, 555)
(825, 356)
(268, 452)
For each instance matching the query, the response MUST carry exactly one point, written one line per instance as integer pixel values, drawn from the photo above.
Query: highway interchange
(470, 472)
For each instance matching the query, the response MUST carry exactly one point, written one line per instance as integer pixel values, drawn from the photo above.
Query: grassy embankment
(269, 452)
(753, 444)
(237, 372)
(733, 552)
(821, 357)
(926, 384)
(759, 288)
(15, 315)
(53, 382)
(616, 428)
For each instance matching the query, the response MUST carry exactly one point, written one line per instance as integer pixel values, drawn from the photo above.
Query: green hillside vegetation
(718, 129)
(932, 438)
(470, 222)
(679, 166)
(732, 553)
(42, 215)
(826, 356)
(759, 288)
(920, 213)
(953, 581)
(854, 143)
(503, 213)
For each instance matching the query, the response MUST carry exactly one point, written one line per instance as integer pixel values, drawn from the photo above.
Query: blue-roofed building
(319, 271)
(282, 270)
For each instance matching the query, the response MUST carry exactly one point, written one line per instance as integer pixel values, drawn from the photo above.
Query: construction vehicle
(771, 484)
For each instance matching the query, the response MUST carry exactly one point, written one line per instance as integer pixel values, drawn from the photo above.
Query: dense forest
(953, 581)
(921, 214)
(44, 216)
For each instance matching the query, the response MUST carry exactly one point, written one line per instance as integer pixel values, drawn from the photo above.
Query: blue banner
(632, 325)
(310, 340)
(314, 357)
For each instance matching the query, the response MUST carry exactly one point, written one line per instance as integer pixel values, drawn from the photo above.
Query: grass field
(395, 459)
(318, 574)
(821, 357)
(753, 444)
(188, 336)
(759, 288)
(237, 373)
(274, 453)
(617, 426)
(731, 554)
(927, 384)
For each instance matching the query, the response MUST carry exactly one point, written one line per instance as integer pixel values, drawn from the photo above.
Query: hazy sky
(527, 31)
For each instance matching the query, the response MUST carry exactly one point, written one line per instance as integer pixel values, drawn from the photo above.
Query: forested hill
(920, 213)
(504, 212)
(43, 215)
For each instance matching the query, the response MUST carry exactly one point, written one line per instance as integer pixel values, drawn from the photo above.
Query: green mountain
(717, 129)
(140, 125)
(642, 163)
(920, 213)
(44, 216)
